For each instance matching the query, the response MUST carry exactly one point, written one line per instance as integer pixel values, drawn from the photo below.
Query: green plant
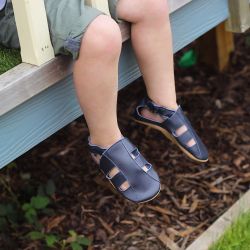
(39, 203)
(31, 209)
(50, 239)
(28, 207)
(9, 58)
(74, 241)
(77, 242)
(237, 237)
(14, 212)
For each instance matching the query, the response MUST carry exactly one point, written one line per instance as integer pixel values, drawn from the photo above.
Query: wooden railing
(33, 31)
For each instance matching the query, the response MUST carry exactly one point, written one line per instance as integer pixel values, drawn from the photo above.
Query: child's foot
(174, 125)
(127, 170)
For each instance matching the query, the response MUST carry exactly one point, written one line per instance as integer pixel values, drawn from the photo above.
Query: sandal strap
(118, 179)
(185, 137)
(175, 121)
(106, 165)
(95, 149)
(120, 155)
(155, 108)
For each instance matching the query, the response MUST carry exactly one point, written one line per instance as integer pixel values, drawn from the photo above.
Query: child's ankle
(169, 104)
(105, 142)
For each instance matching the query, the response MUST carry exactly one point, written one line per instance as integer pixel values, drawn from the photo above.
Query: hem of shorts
(72, 43)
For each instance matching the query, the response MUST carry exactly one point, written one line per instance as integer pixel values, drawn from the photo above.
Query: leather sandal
(176, 127)
(127, 170)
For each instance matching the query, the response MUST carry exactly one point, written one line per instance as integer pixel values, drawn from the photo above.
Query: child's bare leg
(96, 79)
(152, 43)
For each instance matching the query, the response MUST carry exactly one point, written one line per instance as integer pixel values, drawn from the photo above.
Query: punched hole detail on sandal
(183, 131)
(175, 127)
(127, 170)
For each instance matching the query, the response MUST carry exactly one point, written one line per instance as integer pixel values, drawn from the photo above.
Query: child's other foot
(174, 125)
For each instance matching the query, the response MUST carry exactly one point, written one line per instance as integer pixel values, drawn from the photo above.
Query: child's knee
(102, 37)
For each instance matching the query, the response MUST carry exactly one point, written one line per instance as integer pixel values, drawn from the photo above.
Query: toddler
(94, 41)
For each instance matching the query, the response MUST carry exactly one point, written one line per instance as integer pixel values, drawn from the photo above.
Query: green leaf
(75, 246)
(51, 240)
(188, 59)
(50, 188)
(73, 233)
(35, 235)
(31, 215)
(26, 206)
(39, 202)
(83, 241)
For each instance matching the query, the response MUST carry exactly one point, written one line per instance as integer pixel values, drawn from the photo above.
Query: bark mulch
(193, 195)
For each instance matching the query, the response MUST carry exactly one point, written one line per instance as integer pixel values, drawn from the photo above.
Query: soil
(193, 195)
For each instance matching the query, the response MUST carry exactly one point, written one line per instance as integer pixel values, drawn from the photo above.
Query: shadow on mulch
(193, 195)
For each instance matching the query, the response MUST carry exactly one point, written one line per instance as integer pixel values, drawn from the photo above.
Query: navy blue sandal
(127, 170)
(176, 127)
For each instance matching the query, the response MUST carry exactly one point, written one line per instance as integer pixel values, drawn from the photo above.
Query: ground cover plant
(9, 58)
(237, 237)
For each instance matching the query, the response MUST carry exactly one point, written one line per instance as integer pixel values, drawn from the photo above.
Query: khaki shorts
(67, 19)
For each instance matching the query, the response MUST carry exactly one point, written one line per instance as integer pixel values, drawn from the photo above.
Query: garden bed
(193, 195)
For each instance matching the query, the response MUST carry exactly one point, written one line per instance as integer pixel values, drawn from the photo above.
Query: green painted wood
(35, 120)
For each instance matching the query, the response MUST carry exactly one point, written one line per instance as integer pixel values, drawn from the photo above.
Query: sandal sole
(171, 138)
(93, 157)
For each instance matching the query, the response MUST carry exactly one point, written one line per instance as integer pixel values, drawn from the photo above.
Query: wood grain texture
(39, 117)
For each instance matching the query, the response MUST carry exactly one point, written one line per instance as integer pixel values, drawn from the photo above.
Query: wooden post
(239, 20)
(215, 47)
(33, 31)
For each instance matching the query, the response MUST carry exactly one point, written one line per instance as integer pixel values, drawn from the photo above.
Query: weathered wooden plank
(239, 20)
(33, 31)
(39, 117)
(216, 230)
